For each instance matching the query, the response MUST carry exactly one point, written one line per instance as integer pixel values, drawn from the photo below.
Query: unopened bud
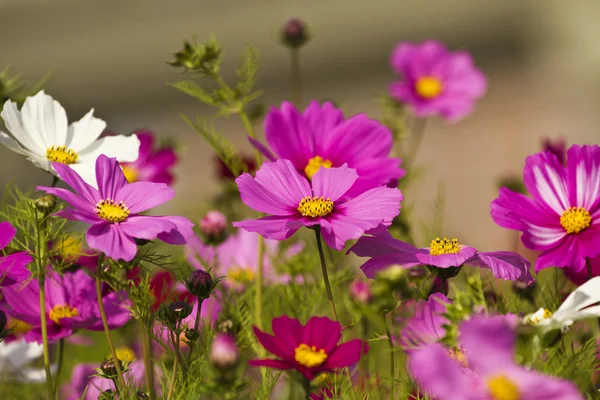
(213, 226)
(294, 33)
(109, 368)
(45, 203)
(141, 395)
(360, 291)
(180, 309)
(200, 284)
(224, 353)
(525, 291)
(107, 395)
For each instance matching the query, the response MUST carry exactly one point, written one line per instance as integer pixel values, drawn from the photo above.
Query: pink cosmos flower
(71, 304)
(487, 370)
(426, 325)
(12, 266)
(323, 138)
(310, 349)
(386, 251)
(113, 210)
(436, 81)
(562, 216)
(152, 165)
(279, 189)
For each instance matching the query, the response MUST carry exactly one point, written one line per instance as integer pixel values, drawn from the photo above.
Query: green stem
(61, 351)
(417, 134)
(45, 336)
(147, 349)
(259, 282)
(295, 82)
(392, 359)
(175, 363)
(363, 367)
(54, 181)
(111, 346)
(317, 229)
(196, 326)
(588, 264)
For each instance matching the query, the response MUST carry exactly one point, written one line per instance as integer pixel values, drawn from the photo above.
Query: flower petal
(31, 140)
(260, 198)
(84, 132)
(322, 333)
(181, 234)
(322, 120)
(145, 227)
(447, 260)
(583, 176)
(504, 265)
(79, 204)
(12, 269)
(489, 343)
(379, 263)
(546, 180)
(347, 354)
(373, 206)
(273, 345)
(7, 233)
(111, 240)
(44, 115)
(264, 150)
(123, 148)
(288, 331)
(535, 385)
(282, 179)
(271, 227)
(269, 363)
(110, 177)
(333, 183)
(80, 186)
(143, 196)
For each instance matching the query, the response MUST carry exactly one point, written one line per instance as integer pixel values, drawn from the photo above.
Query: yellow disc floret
(309, 356)
(61, 154)
(315, 207)
(429, 87)
(131, 174)
(575, 219)
(111, 211)
(240, 275)
(59, 312)
(502, 388)
(444, 246)
(315, 164)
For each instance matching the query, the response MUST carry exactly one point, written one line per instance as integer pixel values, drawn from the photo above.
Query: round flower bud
(224, 353)
(213, 226)
(109, 368)
(45, 203)
(141, 395)
(294, 33)
(180, 309)
(360, 291)
(200, 284)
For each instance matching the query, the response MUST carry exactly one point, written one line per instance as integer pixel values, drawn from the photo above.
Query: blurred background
(541, 57)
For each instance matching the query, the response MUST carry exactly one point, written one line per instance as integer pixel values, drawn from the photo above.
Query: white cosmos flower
(41, 134)
(15, 357)
(582, 303)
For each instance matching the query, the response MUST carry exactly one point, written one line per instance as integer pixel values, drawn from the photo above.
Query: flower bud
(141, 395)
(180, 309)
(45, 203)
(107, 395)
(294, 33)
(200, 284)
(360, 291)
(224, 353)
(109, 368)
(525, 291)
(213, 226)
(191, 335)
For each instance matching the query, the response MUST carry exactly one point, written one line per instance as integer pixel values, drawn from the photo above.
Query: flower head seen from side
(488, 372)
(426, 325)
(71, 304)
(386, 251)
(278, 189)
(323, 138)
(310, 349)
(562, 217)
(435, 80)
(153, 164)
(113, 210)
(13, 266)
(40, 132)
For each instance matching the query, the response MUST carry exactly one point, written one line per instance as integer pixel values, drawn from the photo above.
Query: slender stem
(61, 351)
(54, 181)
(295, 82)
(45, 336)
(363, 366)
(147, 349)
(111, 346)
(196, 326)
(317, 229)
(259, 282)
(588, 264)
(306, 387)
(176, 362)
(392, 359)
(417, 134)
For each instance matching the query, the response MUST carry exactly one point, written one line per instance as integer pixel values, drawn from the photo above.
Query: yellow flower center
(315, 164)
(458, 356)
(309, 356)
(240, 275)
(124, 354)
(536, 319)
(575, 219)
(429, 87)
(110, 211)
(130, 173)
(502, 388)
(444, 246)
(315, 207)
(19, 327)
(61, 154)
(59, 312)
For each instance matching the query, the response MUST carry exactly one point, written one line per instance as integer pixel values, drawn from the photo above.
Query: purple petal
(534, 385)
(337, 230)
(145, 227)
(347, 354)
(261, 198)
(447, 260)
(142, 196)
(82, 207)
(374, 206)
(379, 263)
(322, 333)
(504, 265)
(383, 243)
(567, 253)
(375, 172)
(111, 240)
(583, 176)
(109, 176)
(332, 183)
(116, 307)
(12, 269)
(511, 209)
(22, 302)
(78, 215)
(274, 345)
(79, 185)
(489, 343)
(272, 227)
(546, 180)
(282, 179)
(287, 330)
(269, 363)
(181, 234)
(264, 150)
(7, 233)
(322, 120)
(426, 326)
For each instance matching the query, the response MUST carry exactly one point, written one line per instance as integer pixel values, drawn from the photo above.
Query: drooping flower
(562, 217)
(224, 353)
(71, 304)
(323, 138)
(278, 189)
(41, 134)
(490, 372)
(152, 165)
(435, 80)
(113, 210)
(310, 349)
(16, 358)
(386, 251)
(12, 266)
(426, 325)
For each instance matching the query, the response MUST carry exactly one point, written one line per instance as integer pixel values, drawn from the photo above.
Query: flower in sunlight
(278, 189)
(13, 266)
(426, 325)
(40, 132)
(323, 138)
(485, 368)
(435, 80)
(385, 251)
(71, 304)
(114, 210)
(562, 217)
(310, 349)
(152, 165)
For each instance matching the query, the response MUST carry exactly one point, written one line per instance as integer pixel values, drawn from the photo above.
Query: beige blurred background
(542, 58)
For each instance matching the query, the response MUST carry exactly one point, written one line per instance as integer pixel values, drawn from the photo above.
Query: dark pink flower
(426, 325)
(224, 353)
(12, 266)
(152, 165)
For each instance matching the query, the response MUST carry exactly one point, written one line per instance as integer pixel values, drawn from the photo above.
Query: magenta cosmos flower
(436, 81)
(152, 165)
(310, 349)
(323, 138)
(562, 217)
(71, 304)
(278, 189)
(113, 210)
(487, 370)
(12, 266)
(386, 251)
(426, 325)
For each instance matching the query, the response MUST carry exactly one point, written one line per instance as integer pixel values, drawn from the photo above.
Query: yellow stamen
(539, 318)
(309, 356)
(59, 312)
(315, 164)
(429, 87)
(130, 173)
(110, 211)
(444, 246)
(502, 388)
(459, 356)
(61, 154)
(18, 327)
(315, 207)
(240, 275)
(575, 219)
(124, 354)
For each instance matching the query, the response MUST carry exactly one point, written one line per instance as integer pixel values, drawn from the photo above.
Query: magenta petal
(546, 180)
(488, 343)
(332, 183)
(426, 326)
(374, 206)
(337, 230)
(260, 198)
(145, 227)
(510, 210)
(583, 176)
(287, 330)
(383, 243)
(347, 354)
(322, 120)
(78, 215)
(282, 179)
(273, 345)
(116, 309)
(142, 196)
(181, 234)
(322, 333)
(81, 204)
(447, 260)
(79, 185)
(111, 240)
(7, 233)
(272, 227)
(109, 176)
(565, 254)
(269, 363)
(504, 265)
(534, 385)
(12, 268)
(380, 263)
(264, 150)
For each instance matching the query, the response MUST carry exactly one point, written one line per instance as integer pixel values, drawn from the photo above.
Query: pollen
(240, 275)
(19, 327)
(315, 164)
(61, 154)
(131, 174)
(540, 316)
(575, 219)
(309, 356)
(315, 207)
(125, 354)
(458, 356)
(59, 312)
(444, 246)
(111, 211)
(502, 388)
(429, 87)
